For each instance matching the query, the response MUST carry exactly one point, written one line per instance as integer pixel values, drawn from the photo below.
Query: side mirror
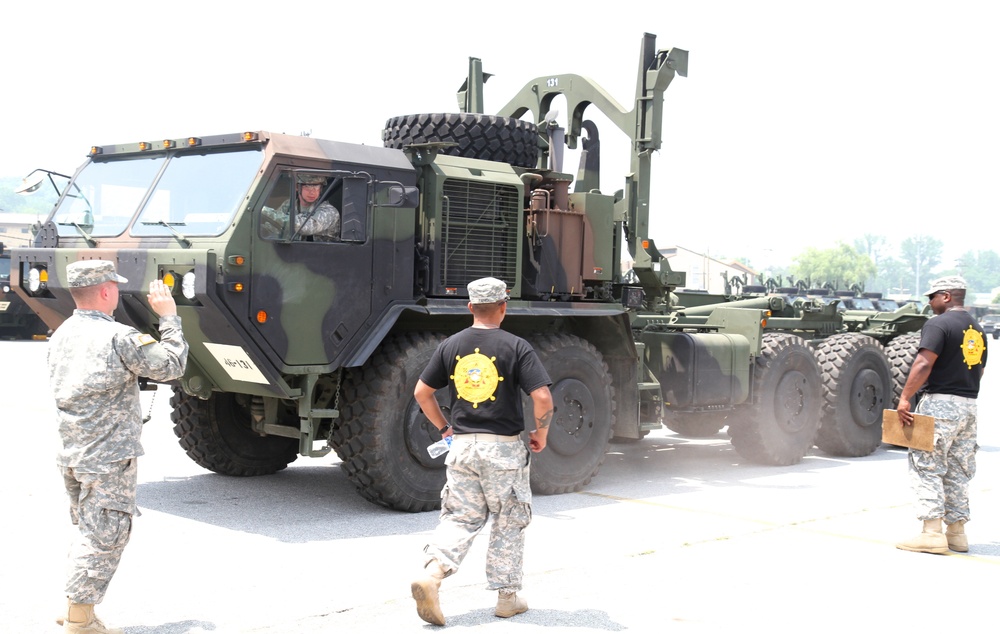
(397, 195)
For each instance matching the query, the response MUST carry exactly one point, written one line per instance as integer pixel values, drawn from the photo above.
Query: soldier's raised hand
(160, 299)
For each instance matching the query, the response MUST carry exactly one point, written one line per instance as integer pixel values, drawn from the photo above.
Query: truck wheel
(696, 424)
(582, 425)
(478, 136)
(901, 352)
(784, 414)
(216, 434)
(382, 436)
(857, 386)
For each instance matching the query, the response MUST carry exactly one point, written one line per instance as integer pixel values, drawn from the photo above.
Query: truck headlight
(187, 285)
(36, 277)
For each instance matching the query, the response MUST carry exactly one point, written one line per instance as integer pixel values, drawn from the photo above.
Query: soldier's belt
(949, 397)
(484, 438)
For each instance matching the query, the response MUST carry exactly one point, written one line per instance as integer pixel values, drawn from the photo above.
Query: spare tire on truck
(477, 136)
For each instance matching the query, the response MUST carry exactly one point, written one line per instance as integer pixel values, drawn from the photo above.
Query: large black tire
(784, 413)
(478, 136)
(901, 352)
(216, 434)
(382, 436)
(857, 386)
(582, 426)
(696, 424)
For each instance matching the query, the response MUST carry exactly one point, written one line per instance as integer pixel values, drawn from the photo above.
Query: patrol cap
(487, 290)
(91, 273)
(950, 283)
(312, 179)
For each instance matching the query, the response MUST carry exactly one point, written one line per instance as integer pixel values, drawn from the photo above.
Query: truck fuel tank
(698, 370)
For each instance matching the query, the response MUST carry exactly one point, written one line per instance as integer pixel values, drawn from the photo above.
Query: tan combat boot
(80, 619)
(957, 539)
(425, 592)
(509, 604)
(931, 540)
(62, 617)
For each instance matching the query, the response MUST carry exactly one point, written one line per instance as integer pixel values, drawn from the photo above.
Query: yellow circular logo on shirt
(973, 347)
(476, 378)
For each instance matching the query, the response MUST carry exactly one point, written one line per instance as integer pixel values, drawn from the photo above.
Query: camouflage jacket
(322, 221)
(94, 365)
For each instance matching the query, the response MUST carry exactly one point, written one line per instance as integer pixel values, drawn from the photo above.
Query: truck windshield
(105, 196)
(198, 194)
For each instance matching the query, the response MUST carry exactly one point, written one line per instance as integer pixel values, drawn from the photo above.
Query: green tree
(981, 269)
(893, 278)
(38, 204)
(921, 254)
(875, 247)
(841, 266)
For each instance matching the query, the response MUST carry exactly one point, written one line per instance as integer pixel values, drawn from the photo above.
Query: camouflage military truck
(305, 342)
(17, 320)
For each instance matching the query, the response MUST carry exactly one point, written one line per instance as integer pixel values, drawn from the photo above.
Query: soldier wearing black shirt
(485, 370)
(950, 362)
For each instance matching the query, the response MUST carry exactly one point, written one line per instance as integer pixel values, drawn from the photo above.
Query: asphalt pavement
(674, 534)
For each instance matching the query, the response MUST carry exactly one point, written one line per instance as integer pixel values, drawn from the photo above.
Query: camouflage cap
(91, 273)
(312, 179)
(487, 290)
(950, 283)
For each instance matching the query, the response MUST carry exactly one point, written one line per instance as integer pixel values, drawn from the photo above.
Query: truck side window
(310, 202)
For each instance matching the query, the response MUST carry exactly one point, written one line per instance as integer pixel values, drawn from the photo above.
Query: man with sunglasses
(949, 365)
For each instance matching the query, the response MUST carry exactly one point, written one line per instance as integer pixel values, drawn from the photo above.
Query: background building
(705, 273)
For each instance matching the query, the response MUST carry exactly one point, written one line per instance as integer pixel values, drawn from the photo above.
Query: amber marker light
(168, 280)
(168, 144)
(261, 316)
(94, 150)
(43, 276)
(144, 146)
(249, 136)
(236, 287)
(193, 141)
(645, 244)
(237, 260)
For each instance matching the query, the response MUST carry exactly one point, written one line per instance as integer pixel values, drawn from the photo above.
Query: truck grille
(479, 232)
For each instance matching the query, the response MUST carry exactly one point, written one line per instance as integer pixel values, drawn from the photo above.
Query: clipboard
(919, 435)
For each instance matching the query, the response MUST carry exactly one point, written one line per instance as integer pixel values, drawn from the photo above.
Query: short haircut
(487, 310)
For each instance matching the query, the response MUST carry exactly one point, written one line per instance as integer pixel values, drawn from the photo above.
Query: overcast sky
(800, 123)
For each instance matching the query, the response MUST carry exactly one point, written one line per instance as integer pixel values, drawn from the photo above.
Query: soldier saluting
(94, 366)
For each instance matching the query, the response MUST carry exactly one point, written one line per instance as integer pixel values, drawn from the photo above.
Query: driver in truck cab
(318, 220)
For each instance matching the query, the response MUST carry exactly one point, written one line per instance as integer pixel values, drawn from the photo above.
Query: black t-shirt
(486, 369)
(958, 341)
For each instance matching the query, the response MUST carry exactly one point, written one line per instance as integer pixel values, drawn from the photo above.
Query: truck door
(311, 264)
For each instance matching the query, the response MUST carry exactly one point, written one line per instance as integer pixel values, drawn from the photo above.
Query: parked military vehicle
(17, 320)
(305, 344)
(863, 356)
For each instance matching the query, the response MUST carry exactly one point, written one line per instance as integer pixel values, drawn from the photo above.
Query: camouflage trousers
(940, 478)
(101, 506)
(485, 478)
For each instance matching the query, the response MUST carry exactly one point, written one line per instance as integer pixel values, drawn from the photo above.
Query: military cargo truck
(306, 341)
(17, 320)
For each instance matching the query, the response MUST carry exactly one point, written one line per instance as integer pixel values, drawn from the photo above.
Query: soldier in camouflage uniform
(94, 365)
(951, 361)
(321, 221)
(485, 369)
